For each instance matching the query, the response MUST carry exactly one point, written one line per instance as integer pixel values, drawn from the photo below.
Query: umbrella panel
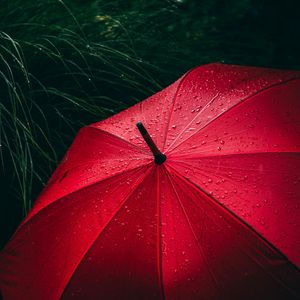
(51, 251)
(249, 163)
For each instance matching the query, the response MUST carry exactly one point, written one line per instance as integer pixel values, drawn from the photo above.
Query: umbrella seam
(192, 230)
(219, 176)
(73, 192)
(197, 115)
(159, 238)
(141, 180)
(174, 100)
(259, 236)
(236, 105)
(232, 154)
(250, 230)
(118, 138)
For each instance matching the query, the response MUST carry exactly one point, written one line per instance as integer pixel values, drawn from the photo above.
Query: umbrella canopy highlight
(192, 193)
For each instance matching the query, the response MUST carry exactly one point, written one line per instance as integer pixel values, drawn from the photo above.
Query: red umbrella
(213, 215)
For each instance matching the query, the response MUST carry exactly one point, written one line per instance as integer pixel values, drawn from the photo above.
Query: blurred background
(64, 64)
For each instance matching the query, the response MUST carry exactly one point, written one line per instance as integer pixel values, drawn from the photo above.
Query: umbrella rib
(191, 122)
(250, 229)
(233, 168)
(159, 238)
(236, 105)
(193, 233)
(79, 190)
(137, 184)
(246, 225)
(232, 134)
(258, 236)
(231, 154)
(205, 174)
(120, 139)
(174, 100)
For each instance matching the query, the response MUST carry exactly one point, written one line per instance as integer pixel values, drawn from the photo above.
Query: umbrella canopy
(200, 200)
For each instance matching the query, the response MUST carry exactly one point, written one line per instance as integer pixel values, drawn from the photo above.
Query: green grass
(64, 64)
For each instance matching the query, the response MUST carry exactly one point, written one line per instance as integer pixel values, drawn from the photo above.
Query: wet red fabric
(219, 219)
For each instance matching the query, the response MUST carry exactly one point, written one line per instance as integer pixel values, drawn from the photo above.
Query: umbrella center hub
(160, 158)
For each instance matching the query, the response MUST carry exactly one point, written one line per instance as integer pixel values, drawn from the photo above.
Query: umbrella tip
(141, 128)
(159, 157)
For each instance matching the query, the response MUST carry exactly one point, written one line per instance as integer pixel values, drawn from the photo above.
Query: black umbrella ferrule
(159, 157)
